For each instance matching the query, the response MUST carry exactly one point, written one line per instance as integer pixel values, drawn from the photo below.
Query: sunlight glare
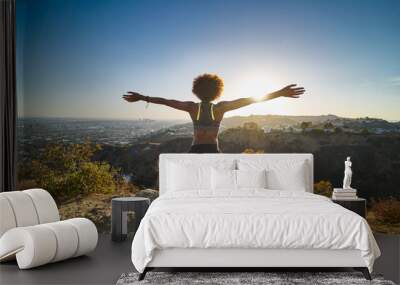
(255, 86)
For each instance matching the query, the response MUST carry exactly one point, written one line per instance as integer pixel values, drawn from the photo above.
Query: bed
(247, 210)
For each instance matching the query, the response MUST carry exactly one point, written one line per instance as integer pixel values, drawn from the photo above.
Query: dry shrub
(387, 211)
(323, 188)
(252, 151)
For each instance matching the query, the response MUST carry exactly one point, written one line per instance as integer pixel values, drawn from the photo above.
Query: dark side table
(358, 205)
(119, 215)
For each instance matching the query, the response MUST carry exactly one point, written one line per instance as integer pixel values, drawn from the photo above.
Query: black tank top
(205, 117)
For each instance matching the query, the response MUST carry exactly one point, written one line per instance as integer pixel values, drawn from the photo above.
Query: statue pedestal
(351, 190)
(344, 194)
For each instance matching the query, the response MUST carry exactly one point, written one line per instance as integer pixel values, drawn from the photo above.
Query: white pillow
(251, 178)
(223, 179)
(186, 174)
(290, 175)
(185, 178)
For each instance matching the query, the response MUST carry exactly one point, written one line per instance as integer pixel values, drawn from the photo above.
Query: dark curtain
(8, 110)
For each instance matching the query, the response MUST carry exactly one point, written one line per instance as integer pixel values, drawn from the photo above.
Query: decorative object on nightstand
(357, 205)
(119, 215)
(347, 192)
(344, 194)
(348, 173)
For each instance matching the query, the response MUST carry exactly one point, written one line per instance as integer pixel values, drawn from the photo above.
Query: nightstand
(119, 215)
(358, 205)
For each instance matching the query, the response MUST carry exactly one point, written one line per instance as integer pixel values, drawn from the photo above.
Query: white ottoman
(31, 232)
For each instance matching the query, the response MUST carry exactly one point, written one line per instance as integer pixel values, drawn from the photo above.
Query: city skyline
(187, 120)
(77, 58)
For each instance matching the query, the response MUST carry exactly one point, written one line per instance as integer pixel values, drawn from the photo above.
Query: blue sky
(77, 57)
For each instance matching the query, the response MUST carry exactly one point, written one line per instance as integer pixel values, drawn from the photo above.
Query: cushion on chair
(26, 208)
(37, 245)
(32, 246)
(7, 220)
(67, 240)
(23, 209)
(45, 205)
(31, 230)
(87, 233)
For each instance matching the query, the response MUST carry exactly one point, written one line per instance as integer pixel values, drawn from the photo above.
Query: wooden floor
(110, 260)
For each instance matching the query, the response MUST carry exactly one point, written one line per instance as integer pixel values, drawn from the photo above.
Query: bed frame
(242, 259)
(246, 258)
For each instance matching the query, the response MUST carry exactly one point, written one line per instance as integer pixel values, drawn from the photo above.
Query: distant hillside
(286, 123)
(376, 158)
(275, 121)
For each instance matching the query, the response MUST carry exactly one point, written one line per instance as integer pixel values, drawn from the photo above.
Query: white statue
(347, 174)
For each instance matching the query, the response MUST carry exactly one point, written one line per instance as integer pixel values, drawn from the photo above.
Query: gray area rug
(236, 278)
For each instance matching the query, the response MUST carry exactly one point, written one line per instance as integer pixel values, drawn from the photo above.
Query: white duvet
(250, 219)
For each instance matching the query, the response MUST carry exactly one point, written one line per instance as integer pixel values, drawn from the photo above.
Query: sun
(255, 85)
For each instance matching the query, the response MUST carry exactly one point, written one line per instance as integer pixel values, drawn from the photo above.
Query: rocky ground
(97, 207)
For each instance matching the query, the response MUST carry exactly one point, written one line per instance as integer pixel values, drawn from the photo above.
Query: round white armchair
(31, 230)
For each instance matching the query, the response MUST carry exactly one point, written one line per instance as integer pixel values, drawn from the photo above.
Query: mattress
(252, 219)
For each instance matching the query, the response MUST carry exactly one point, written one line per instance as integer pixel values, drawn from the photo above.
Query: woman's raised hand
(132, 96)
(291, 91)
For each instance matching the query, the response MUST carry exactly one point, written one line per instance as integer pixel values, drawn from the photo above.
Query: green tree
(365, 131)
(338, 130)
(329, 125)
(305, 125)
(68, 170)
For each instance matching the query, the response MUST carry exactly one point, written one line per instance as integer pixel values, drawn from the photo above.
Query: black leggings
(204, 148)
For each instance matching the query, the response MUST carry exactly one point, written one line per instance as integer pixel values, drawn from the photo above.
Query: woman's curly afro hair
(208, 87)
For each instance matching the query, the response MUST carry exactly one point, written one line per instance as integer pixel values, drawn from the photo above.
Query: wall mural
(82, 142)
